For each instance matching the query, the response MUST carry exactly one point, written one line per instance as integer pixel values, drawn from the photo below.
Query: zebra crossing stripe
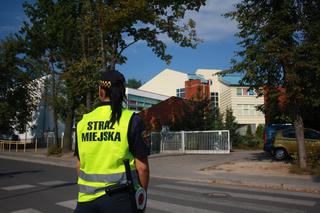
(52, 183)
(30, 210)
(223, 202)
(18, 187)
(242, 195)
(70, 204)
(169, 207)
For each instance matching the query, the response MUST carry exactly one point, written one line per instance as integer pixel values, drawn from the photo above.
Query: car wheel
(280, 154)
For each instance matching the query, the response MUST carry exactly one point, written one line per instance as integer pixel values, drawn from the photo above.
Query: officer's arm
(78, 166)
(142, 166)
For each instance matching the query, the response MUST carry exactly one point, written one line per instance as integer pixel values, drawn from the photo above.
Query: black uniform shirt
(138, 146)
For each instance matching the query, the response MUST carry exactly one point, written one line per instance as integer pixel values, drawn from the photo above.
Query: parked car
(285, 143)
(269, 134)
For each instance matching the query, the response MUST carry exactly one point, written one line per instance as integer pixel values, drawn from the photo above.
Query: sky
(215, 52)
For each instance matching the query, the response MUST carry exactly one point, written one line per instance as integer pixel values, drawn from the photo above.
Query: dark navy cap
(109, 78)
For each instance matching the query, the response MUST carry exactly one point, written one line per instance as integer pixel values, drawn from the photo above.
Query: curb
(62, 163)
(224, 182)
(272, 186)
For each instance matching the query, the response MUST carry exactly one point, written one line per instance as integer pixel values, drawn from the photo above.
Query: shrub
(54, 150)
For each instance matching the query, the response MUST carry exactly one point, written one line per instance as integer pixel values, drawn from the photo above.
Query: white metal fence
(196, 142)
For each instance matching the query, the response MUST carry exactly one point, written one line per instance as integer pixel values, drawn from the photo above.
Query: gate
(193, 142)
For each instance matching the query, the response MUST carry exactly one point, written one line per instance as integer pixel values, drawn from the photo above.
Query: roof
(197, 77)
(231, 79)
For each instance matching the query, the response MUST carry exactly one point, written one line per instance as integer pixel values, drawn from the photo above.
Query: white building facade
(226, 92)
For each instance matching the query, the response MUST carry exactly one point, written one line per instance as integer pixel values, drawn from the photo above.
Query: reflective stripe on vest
(111, 178)
(108, 178)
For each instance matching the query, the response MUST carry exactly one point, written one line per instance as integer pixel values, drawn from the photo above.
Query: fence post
(183, 143)
(62, 140)
(229, 142)
(36, 145)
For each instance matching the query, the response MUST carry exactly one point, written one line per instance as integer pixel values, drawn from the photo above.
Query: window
(310, 134)
(180, 93)
(214, 99)
(247, 109)
(245, 92)
(251, 92)
(239, 91)
(289, 133)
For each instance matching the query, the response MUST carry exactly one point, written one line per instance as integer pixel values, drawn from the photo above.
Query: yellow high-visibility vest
(103, 146)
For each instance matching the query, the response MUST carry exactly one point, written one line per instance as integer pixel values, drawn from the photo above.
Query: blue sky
(216, 51)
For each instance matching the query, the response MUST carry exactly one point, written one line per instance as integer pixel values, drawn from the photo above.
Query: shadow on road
(264, 156)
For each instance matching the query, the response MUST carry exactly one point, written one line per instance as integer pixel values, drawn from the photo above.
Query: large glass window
(139, 103)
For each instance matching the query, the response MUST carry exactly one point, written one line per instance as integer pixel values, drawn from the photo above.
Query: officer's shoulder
(86, 115)
(128, 111)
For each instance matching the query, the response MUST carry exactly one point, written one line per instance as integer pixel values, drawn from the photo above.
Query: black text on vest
(101, 136)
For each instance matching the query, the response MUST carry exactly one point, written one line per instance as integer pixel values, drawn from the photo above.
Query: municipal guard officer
(107, 137)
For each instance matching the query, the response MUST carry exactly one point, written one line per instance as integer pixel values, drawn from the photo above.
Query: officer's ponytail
(117, 95)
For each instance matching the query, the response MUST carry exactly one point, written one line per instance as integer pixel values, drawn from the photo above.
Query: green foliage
(72, 41)
(249, 142)
(17, 92)
(260, 131)
(198, 117)
(249, 131)
(54, 150)
(280, 47)
(232, 125)
(133, 83)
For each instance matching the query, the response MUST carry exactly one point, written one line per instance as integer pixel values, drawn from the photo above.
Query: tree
(76, 40)
(17, 90)
(123, 23)
(279, 40)
(231, 125)
(133, 83)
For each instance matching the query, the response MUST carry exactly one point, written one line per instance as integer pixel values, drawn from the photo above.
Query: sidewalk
(240, 168)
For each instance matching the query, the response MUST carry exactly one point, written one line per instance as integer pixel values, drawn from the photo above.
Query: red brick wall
(195, 90)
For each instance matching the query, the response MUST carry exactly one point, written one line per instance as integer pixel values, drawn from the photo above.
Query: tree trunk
(67, 138)
(89, 100)
(299, 129)
(55, 114)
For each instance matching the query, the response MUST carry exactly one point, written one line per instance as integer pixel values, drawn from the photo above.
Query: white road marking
(169, 207)
(273, 191)
(242, 195)
(224, 202)
(17, 187)
(30, 210)
(70, 204)
(52, 183)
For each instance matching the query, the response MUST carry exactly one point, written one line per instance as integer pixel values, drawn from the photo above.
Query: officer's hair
(117, 95)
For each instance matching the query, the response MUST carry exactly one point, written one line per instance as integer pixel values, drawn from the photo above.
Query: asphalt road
(35, 188)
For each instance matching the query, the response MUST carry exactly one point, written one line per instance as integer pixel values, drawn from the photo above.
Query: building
(168, 83)
(165, 113)
(196, 88)
(42, 126)
(138, 100)
(223, 91)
